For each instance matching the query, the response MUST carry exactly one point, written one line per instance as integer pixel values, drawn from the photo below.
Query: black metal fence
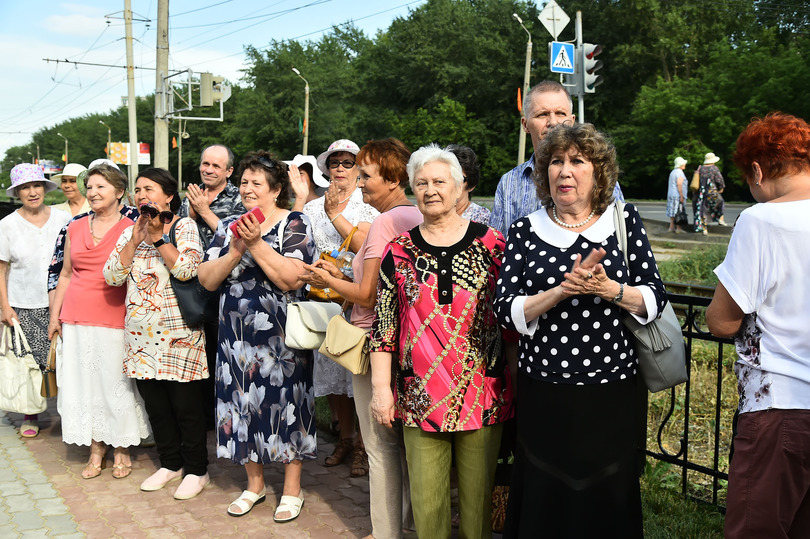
(700, 480)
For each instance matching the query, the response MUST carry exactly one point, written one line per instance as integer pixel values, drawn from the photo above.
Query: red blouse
(434, 312)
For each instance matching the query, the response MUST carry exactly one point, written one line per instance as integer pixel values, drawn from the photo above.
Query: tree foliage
(681, 78)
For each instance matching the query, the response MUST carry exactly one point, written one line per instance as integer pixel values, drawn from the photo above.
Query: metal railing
(690, 308)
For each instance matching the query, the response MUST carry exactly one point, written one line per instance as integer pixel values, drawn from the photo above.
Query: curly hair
(390, 155)
(779, 142)
(594, 146)
(275, 172)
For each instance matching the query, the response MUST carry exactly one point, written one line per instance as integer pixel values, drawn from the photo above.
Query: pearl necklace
(566, 225)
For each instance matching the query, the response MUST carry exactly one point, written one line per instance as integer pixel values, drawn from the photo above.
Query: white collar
(555, 235)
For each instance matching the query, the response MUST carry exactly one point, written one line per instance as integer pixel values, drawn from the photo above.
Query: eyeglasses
(332, 163)
(152, 212)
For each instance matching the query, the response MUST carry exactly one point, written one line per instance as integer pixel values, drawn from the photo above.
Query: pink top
(383, 229)
(89, 300)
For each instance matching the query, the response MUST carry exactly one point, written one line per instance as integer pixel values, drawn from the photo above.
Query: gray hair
(544, 87)
(231, 157)
(430, 154)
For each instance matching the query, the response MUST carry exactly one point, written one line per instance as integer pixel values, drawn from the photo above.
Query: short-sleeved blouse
(434, 310)
(327, 238)
(159, 344)
(766, 274)
(27, 249)
(582, 339)
(87, 284)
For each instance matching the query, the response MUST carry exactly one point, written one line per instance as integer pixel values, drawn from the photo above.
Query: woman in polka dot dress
(163, 354)
(564, 287)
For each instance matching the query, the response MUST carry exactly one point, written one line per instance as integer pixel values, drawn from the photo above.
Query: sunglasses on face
(333, 163)
(152, 212)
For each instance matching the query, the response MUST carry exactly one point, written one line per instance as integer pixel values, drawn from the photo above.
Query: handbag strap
(20, 337)
(172, 237)
(348, 241)
(621, 229)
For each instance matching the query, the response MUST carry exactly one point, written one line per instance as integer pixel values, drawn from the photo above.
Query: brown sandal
(342, 450)
(359, 462)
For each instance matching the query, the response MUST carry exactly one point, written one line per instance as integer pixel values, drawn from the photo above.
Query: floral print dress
(265, 401)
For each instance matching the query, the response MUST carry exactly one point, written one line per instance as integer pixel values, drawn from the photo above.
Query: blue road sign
(562, 57)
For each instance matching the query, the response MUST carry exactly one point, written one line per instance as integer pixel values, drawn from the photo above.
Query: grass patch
(668, 515)
(695, 267)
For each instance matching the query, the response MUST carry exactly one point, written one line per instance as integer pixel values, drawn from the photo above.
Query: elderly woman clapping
(565, 288)
(434, 313)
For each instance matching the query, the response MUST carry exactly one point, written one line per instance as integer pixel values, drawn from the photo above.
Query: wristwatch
(164, 239)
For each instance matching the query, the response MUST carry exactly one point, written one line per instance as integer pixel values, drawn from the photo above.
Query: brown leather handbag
(49, 388)
(326, 294)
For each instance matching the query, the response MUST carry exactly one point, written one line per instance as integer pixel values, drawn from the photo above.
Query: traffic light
(590, 80)
(211, 90)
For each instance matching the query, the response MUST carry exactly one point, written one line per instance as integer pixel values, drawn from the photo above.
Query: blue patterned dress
(265, 401)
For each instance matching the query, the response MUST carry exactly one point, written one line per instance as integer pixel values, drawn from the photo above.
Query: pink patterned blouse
(434, 313)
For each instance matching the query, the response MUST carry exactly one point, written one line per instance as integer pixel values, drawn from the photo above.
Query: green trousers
(429, 460)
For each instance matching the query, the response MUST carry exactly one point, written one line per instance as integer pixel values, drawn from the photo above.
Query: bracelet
(335, 217)
(620, 295)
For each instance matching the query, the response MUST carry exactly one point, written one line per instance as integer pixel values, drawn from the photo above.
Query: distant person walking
(708, 199)
(676, 193)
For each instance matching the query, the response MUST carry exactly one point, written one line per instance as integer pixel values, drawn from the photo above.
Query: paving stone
(11, 489)
(61, 524)
(28, 520)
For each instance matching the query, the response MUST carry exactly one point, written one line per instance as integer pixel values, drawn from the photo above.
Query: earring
(757, 184)
(275, 199)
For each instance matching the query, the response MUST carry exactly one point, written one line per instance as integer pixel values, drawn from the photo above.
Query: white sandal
(289, 504)
(246, 501)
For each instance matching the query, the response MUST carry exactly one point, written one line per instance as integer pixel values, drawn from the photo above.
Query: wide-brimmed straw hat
(710, 159)
(28, 173)
(317, 176)
(342, 145)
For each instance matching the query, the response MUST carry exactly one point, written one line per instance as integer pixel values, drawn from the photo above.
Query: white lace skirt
(96, 400)
(329, 378)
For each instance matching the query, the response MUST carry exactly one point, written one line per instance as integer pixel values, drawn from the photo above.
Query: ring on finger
(590, 275)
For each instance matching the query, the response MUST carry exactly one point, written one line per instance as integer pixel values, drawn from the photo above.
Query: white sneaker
(160, 478)
(191, 486)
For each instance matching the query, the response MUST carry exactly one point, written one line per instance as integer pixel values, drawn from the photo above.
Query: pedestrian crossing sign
(562, 57)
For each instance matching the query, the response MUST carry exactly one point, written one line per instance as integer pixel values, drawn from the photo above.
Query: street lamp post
(109, 137)
(306, 110)
(32, 157)
(66, 146)
(526, 74)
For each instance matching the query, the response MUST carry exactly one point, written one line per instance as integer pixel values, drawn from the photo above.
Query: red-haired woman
(763, 300)
(383, 177)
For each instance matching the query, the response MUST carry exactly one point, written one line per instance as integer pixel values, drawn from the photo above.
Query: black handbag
(681, 218)
(194, 300)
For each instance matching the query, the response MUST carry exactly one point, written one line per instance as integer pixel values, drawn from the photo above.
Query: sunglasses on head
(268, 163)
(334, 163)
(152, 212)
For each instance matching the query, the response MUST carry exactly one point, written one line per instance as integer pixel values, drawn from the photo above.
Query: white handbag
(306, 323)
(20, 377)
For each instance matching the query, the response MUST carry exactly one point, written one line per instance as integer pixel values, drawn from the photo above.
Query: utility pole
(134, 150)
(161, 94)
(306, 111)
(580, 89)
(527, 69)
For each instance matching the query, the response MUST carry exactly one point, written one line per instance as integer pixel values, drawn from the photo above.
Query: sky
(204, 35)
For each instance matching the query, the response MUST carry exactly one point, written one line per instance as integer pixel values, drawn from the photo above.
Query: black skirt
(575, 466)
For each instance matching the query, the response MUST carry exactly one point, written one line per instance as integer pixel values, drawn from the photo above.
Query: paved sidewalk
(42, 494)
